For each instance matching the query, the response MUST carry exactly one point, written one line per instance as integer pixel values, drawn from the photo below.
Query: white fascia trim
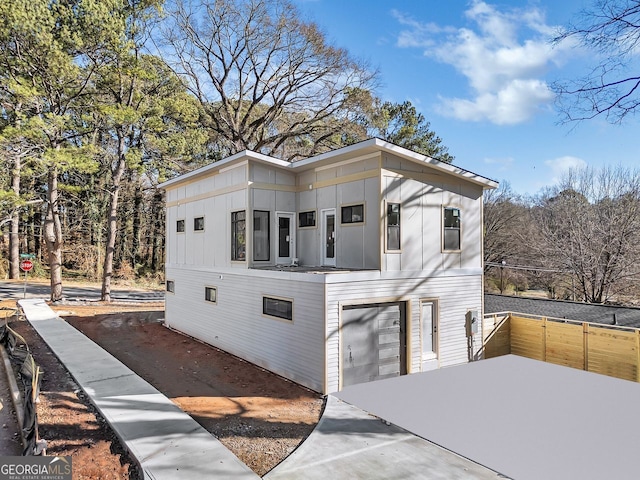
(436, 164)
(375, 144)
(384, 146)
(226, 162)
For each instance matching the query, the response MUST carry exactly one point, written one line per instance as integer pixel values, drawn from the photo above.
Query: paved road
(81, 293)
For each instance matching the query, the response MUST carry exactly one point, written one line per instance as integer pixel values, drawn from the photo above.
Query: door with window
(328, 241)
(286, 247)
(429, 334)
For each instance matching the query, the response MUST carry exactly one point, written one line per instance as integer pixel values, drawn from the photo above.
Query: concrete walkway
(167, 442)
(349, 443)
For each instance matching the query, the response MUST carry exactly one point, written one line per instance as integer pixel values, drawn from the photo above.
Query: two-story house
(346, 267)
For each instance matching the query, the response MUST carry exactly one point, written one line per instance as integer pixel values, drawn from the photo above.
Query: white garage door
(373, 342)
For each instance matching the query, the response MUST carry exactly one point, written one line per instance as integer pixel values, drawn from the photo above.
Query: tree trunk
(53, 235)
(136, 224)
(112, 223)
(158, 233)
(33, 239)
(14, 234)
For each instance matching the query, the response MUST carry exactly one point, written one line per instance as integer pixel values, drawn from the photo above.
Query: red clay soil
(69, 423)
(259, 416)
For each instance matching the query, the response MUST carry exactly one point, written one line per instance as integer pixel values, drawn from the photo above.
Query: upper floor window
(238, 238)
(198, 224)
(393, 226)
(451, 234)
(180, 226)
(353, 214)
(171, 286)
(261, 234)
(307, 219)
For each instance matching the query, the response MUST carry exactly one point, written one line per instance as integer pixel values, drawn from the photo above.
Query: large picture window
(238, 235)
(261, 235)
(451, 234)
(393, 226)
(353, 214)
(277, 307)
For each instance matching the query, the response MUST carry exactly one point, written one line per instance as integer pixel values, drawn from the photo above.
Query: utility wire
(522, 267)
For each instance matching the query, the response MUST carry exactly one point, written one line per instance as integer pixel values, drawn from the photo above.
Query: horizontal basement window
(211, 294)
(277, 307)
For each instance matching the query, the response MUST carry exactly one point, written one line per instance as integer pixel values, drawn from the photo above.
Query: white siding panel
(456, 295)
(235, 324)
(286, 202)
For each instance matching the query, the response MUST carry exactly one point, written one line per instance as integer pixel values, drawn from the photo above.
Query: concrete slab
(167, 442)
(527, 419)
(348, 443)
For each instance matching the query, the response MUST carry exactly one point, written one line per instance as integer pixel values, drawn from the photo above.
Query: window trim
(184, 225)
(253, 219)
(351, 205)
(276, 317)
(208, 288)
(170, 286)
(315, 219)
(459, 228)
(233, 242)
(387, 249)
(195, 219)
(435, 328)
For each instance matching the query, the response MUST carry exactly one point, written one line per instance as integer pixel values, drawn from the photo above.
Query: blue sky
(479, 71)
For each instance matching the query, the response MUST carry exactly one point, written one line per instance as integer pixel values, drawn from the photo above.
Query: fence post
(544, 339)
(637, 355)
(585, 344)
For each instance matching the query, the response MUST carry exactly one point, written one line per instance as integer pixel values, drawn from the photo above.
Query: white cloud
(504, 69)
(561, 165)
(515, 103)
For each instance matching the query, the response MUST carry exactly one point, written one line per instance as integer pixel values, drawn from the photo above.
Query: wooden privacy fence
(606, 349)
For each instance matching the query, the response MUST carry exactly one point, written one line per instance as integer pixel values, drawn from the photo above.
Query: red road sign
(26, 265)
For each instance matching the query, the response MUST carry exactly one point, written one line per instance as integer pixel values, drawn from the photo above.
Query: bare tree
(503, 216)
(267, 80)
(590, 225)
(611, 31)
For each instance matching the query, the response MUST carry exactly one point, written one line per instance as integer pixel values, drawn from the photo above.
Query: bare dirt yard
(259, 416)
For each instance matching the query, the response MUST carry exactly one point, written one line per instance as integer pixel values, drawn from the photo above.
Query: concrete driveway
(526, 419)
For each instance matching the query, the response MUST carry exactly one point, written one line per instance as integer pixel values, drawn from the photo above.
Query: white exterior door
(328, 241)
(286, 246)
(429, 334)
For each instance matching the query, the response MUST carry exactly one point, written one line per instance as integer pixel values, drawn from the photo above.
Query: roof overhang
(372, 145)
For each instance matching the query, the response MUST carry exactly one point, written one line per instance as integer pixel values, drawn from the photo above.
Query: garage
(373, 339)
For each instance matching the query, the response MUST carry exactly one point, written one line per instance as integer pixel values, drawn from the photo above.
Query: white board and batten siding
(423, 196)
(213, 198)
(294, 349)
(456, 293)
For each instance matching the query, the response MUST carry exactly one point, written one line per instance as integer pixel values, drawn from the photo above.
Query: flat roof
(526, 419)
